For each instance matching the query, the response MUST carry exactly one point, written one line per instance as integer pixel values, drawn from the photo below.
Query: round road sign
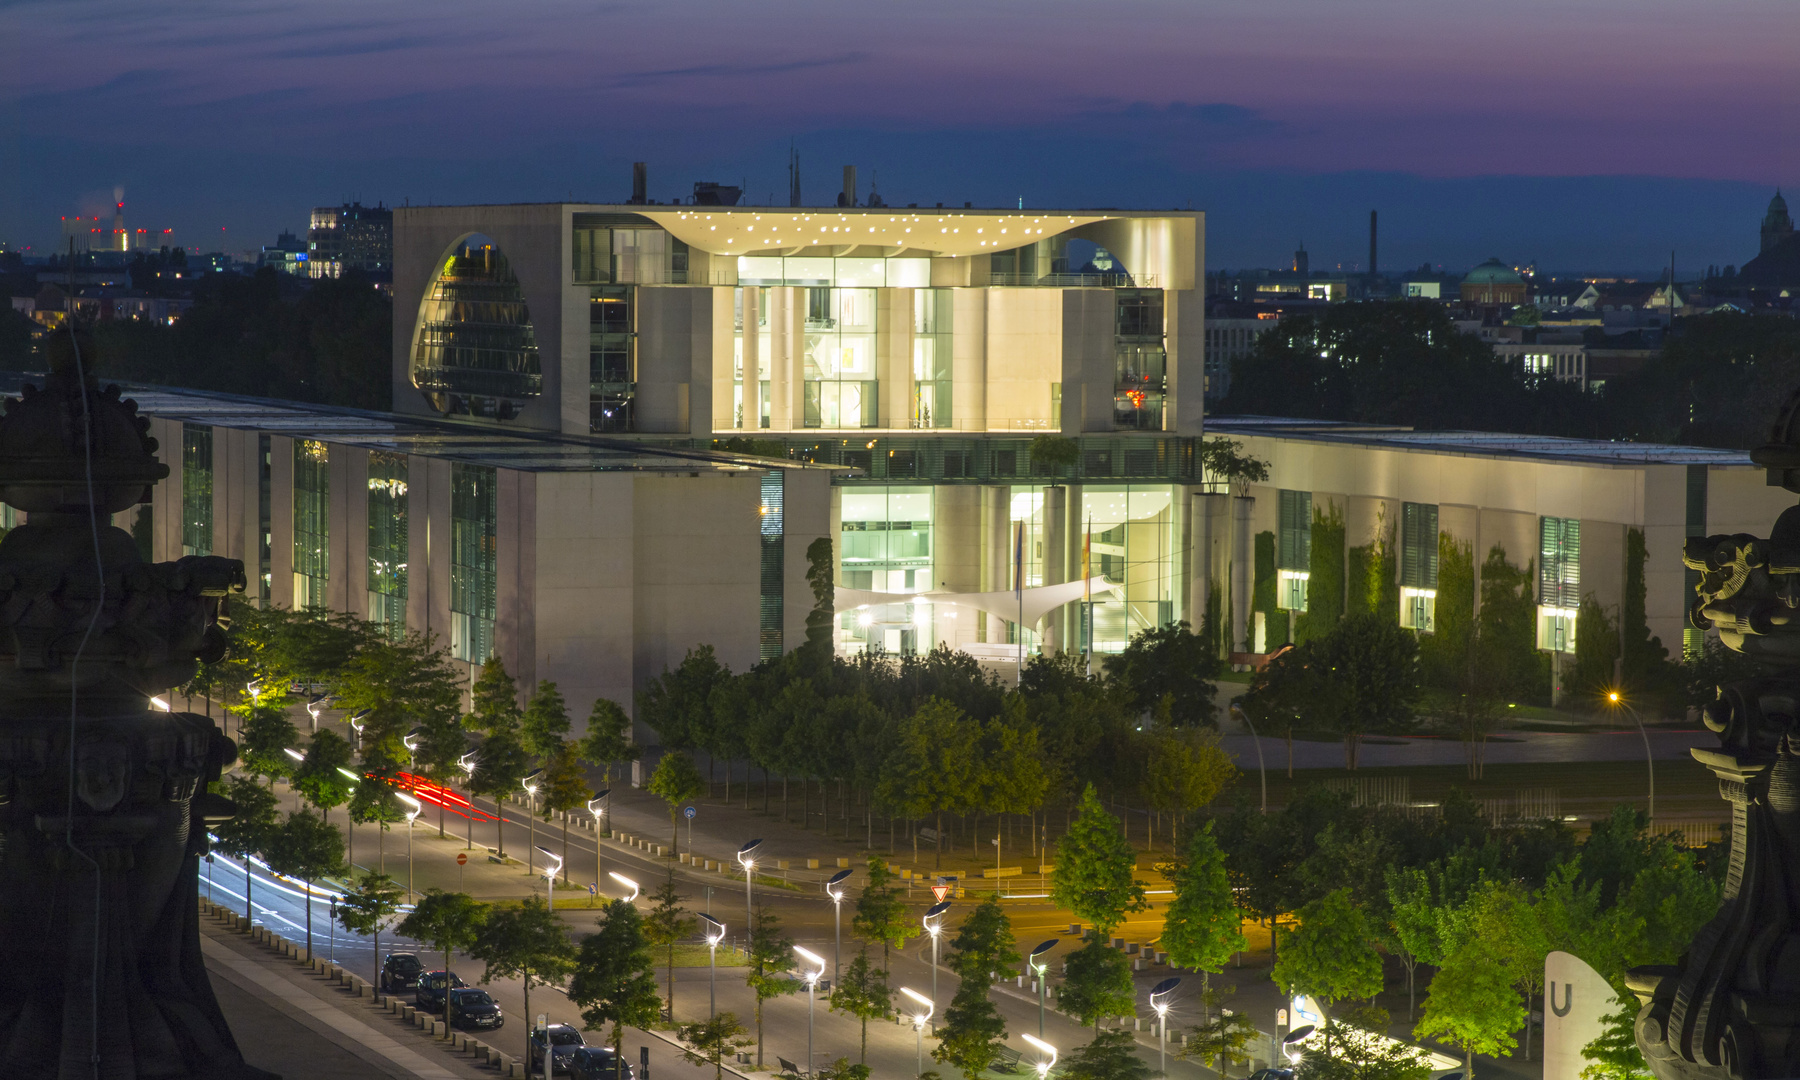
(689, 813)
(462, 858)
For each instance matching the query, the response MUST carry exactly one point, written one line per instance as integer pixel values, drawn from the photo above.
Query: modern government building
(617, 429)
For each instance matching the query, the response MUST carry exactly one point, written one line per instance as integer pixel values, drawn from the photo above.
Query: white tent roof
(1037, 602)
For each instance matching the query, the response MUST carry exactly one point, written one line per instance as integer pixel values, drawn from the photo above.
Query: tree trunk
(1290, 746)
(308, 883)
(528, 1034)
(784, 798)
(565, 862)
(249, 912)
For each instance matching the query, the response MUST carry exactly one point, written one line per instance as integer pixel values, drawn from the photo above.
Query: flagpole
(1019, 592)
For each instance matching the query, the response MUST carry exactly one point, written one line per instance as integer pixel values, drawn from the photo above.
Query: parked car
(1272, 1074)
(431, 985)
(563, 1041)
(471, 1009)
(597, 1063)
(400, 970)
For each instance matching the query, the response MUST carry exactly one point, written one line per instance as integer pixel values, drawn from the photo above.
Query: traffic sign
(688, 813)
(593, 888)
(462, 858)
(940, 891)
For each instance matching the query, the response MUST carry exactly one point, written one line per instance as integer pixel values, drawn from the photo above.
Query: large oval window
(474, 352)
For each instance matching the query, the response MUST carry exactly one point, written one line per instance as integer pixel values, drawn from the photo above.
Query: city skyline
(1595, 139)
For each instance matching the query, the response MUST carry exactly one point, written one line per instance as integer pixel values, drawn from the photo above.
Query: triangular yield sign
(940, 891)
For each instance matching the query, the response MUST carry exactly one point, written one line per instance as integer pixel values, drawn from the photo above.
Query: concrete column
(1075, 535)
(1054, 531)
(893, 353)
(968, 350)
(1243, 557)
(996, 550)
(1209, 512)
(782, 349)
(752, 360)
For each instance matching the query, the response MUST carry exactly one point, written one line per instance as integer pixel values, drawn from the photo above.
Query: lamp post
(920, 1019)
(934, 925)
(467, 764)
(715, 933)
(1041, 967)
(357, 720)
(350, 823)
(597, 807)
(530, 784)
(1042, 1047)
(1257, 739)
(812, 983)
(411, 741)
(417, 807)
(1290, 1043)
(835, 889)
(298, 759)
(628, 883)
(1649, 762)
(314, 708)
(550, 876)
(1159, 1000)
(746, 858)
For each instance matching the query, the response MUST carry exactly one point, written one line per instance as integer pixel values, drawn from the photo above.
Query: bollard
(843, 863)
(812, 864)
(1131, 949)
(1074, 928)
(409, 1014)
(1118, 943)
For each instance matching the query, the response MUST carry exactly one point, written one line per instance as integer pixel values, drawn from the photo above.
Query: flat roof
(1479, 443)
(472, 442)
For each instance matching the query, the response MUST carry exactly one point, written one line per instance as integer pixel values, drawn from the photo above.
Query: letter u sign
(1568, 999)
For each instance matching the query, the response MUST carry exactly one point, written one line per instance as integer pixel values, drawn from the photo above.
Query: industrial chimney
(1371, 243)
(848, 198)
(640, 183)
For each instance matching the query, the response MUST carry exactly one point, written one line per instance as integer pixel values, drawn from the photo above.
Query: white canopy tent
(1030, 609)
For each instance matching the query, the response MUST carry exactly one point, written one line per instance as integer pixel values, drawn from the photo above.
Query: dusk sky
(1590, 135)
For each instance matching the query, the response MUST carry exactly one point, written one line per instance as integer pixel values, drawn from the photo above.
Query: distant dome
(1778, 210)
(1493, 272)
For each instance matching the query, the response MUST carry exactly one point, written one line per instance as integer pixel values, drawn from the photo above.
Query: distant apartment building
(351, 236)
(288, 255)
(1231, 333)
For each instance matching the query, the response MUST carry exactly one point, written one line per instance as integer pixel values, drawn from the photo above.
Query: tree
(1095, 868)
(1225, 459)
(608, 739)
(500, 763)
(984, 950)
(565, 790)
(266, 734)
(614, 980)
(1351, 1054)
(970, 1029)
(865, 994)
(667, 923)
(545, 722)
(677, 703)
(1168, 663)
(1097, 984)
(305, 847)
(1370, 678)
(881, 911)
(1330, 957)
(366, 907)
(527, 942)
(1183, 775)
(1615, 1054)
(771, 958)
(1202, 926)
(842, 1069)
(248, 830)
(675, 781)
(1221, 1038)
(318, 777)
(933, 766)
(494, 701)
(1111, 1056)
(1472, 1007)
(710, 1042)
(447, 922)
(821, 621)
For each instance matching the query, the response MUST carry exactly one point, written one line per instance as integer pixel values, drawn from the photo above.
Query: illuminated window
(475, 352)
(312, 522)
(387, 542)
(1559, 582)
(474, 568)
(196, 489)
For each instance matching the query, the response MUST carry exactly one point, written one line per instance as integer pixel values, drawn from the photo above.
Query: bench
(1006, 1059)
(788, 1068)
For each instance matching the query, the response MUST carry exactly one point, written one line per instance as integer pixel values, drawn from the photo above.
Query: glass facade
(907, 273)
(196, 489)
(773, 530)
(885, 544)
(265, 528)
(612, 359)
(312, 522)
(474, 569)
(761, 338)
(1418, 566)
(1559, 582)
(1133, 542)
(933, 358)
(475, 352)
(841, 389)
(1141, 360)
(1293, 549)
(387, 542)
(626, 249)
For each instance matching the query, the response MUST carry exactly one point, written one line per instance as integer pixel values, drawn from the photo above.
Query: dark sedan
(430, 994)
(474, 1010)
(597, 1063)
(400, 970)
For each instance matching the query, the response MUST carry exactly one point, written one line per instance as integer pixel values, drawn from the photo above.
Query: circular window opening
(475, 352)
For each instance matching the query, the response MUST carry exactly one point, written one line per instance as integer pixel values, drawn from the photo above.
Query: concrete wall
(1024, 356)
(1089, 367)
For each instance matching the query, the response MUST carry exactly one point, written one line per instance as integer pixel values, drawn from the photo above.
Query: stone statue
(1731, 1007)
(103, 800)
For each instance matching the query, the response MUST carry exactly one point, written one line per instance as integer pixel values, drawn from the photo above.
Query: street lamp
(715, 933)
(934, 925)
(550, 875)
(1042, 1047)
(357, 720)
(812, 984)
(350, 822)
(1041, 967)
(746, 858)
(467, 764)
(313, 708)
(835, 889)
(597, 807)
(1290, 1043)
(1159, 1000)
(416, 807)
(919, 1020)
(1257, 739)
(530, 784)
(1649, 762)
(411, 741)
(628, 883)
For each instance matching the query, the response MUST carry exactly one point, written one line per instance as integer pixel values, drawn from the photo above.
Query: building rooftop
(1478, 443)
(465, 441)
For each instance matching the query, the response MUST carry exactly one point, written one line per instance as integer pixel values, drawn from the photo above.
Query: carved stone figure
(103, 802)
(1731, 1007)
